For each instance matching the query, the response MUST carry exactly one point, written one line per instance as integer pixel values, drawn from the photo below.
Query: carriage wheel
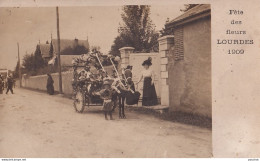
(79, 102)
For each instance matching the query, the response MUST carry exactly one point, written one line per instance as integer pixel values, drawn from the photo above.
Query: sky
(98, 24)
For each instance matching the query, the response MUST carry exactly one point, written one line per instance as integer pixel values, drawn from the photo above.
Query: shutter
(178, 44)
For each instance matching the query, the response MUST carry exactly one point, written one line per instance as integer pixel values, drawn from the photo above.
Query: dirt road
(35, 124)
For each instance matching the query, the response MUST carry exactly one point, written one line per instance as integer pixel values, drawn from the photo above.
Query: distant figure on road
(50, 87)
(10, 82)
(1, 84)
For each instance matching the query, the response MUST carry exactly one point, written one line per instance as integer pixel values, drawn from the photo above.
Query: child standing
(106, 95)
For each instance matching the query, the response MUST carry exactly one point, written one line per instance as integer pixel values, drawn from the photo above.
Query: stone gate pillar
(165, 43)
(125, 53)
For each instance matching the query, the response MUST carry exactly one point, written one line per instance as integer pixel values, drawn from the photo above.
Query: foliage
(51, 50)
(33, 63)
(16, 70)
(188, 7)
(38, 62)
(28, 62)
(119, 42)
(164, 31)
(137, 30)
(95, 48)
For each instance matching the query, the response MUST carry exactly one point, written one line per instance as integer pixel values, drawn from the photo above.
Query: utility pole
(59, 63)
(19, 67)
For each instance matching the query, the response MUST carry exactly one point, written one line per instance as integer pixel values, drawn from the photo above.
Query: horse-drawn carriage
(90, 72)
(88, 77)
(83, 97)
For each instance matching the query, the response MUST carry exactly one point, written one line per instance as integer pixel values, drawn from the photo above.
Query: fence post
(165, 43)
(125, 53)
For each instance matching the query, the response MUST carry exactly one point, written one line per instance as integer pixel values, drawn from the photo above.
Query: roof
(197, 12)
(45, 50)
(64, 43)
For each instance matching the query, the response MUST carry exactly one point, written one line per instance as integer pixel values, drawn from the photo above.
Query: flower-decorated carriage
(89, 74)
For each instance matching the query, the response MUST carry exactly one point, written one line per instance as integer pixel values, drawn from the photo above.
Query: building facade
(189, 61)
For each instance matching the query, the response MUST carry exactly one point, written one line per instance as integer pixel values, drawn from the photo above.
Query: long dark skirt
(149, 93)
(50, 89)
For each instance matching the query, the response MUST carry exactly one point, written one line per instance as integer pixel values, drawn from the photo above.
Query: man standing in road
(1, 84)
(9, 84)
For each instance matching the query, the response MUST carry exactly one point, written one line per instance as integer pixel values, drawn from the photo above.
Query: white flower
(117, 58)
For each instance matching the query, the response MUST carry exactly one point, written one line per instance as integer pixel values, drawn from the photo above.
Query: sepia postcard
(129, 79)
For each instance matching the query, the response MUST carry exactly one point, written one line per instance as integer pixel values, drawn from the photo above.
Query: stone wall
(39, 82)
(66, 60)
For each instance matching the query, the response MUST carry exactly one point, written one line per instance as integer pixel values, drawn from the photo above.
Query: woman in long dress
(49, 86)
(149, 93)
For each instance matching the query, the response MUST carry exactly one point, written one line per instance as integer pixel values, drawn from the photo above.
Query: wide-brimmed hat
(147, 62)
(129, 67)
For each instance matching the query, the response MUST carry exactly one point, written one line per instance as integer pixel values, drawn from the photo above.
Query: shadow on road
(176, 116)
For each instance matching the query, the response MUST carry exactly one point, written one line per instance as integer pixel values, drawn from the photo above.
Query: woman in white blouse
(149, 93)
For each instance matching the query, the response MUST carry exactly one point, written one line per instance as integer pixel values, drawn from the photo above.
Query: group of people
(118, 87)
(149, 97)
(10, 83)
(149, 93)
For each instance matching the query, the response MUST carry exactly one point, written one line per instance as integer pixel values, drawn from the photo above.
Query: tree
(164, 31)
(188, 7)
(51, 50)
(95, 48)
(137, 30)
(16, 70)
(118, 43)
(28, 63)
(33, 63)
(39, 62)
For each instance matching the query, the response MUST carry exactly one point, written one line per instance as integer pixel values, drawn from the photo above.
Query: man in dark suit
(10, 84)
(128, 76)
(1, 84)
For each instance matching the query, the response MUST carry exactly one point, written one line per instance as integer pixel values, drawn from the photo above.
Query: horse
(122, 87)
(119, 100)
